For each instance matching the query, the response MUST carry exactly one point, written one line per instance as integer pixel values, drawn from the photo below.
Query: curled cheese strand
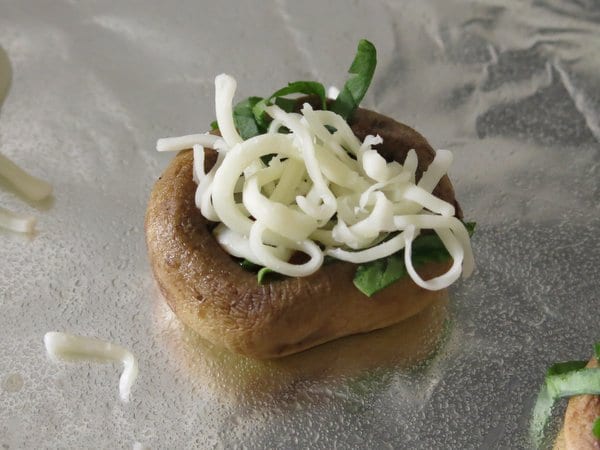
(203, 196)
(224, 91)
(266, 255)
(307, 147)
(72, 347)
(176, 144)
(16, 222)
(437, 223)
(343, 134)
(420, 196)
(289, 223)
(436, 170)
(379, 251)
(31, 187)
(238, 158)
(333, 141)
(380, 219)
(292, 175)
(442, 281)
(238, 245)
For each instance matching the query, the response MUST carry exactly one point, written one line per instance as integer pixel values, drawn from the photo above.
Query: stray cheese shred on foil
(31, 187)
(71, 347)
(321, 193)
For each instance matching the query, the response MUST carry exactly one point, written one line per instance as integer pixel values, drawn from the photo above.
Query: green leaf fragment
(303, 87)
(470, 226)
(249, 265)
(596, 428)
(262, 273)
(565, 367)
(361, 73)
(244, 120)
(260, 116)
(251, 119)
(287, 104)
(214, 125)
(379, 274)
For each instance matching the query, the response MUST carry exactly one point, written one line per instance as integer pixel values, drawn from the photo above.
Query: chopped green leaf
(288, 105)
(597, 351)
(251, 119)
(377, 275)
(565, 367)
(470, 226)
(214, 125)
(361, 73)
(262, 273)
(596, 428)
(374, 276)
(266, 159)
(244, 119)
(303, 87)
(249, 265)
(329, 260)
(259, 114)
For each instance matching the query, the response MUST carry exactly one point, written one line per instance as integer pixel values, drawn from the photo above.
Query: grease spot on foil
(13, 383)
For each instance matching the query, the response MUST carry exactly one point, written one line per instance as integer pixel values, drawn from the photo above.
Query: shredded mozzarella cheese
(71, 347)
(176, 144)
(31, 187)
(16, 222)
(323, 193)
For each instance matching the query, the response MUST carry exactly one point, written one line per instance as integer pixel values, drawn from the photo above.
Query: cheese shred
(72, 347)
(31, 187)
(16, 222)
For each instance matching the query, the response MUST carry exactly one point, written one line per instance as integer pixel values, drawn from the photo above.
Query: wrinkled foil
(510, 87)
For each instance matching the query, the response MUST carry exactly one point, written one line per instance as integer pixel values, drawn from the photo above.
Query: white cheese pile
(31, 187)
(71, 347)
(322, 193)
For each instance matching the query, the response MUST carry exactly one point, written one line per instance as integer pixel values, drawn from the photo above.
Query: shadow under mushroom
(400, 348)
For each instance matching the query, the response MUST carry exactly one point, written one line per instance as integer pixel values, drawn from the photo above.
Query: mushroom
(209, 291)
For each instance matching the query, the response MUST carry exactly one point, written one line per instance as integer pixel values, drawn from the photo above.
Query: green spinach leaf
(287, 104)
(361, 73)
(244, 119)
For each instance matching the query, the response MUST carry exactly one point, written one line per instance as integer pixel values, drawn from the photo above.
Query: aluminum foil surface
(511, 87)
